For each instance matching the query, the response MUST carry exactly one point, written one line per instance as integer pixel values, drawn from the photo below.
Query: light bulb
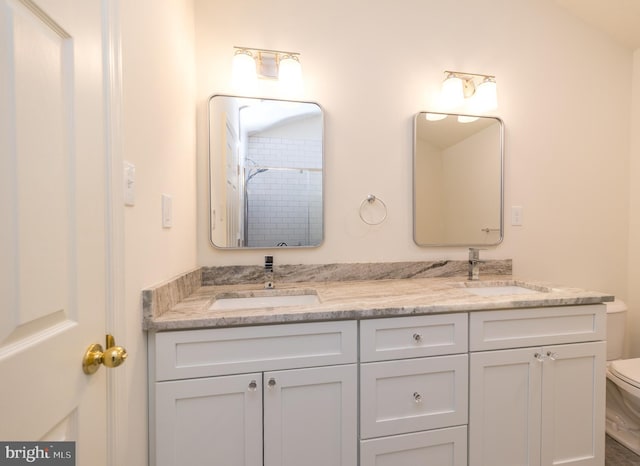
(452, 91)
(486, 97)
(435, 116)
(290, 70)
(466, 118)
(290, 74)
(244, 69)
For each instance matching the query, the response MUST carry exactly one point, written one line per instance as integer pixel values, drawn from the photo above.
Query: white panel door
(52, 239)
(210, 421)
(504, 407)
(310, 417)
(573, 404)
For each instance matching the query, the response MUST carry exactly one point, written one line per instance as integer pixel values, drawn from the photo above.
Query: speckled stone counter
(185, 303)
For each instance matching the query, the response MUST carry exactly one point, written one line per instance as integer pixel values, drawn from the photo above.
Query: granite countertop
(361, 299)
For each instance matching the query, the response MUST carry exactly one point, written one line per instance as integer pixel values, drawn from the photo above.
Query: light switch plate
(129, 180)
(167, 211)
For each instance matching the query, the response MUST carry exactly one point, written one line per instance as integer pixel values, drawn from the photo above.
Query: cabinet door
(443, 447)
(504, 407)
(573, 404)
(212, 421)
(310, 417)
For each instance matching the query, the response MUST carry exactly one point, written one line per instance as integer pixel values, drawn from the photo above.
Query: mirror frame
(210, 185)
(502, 163)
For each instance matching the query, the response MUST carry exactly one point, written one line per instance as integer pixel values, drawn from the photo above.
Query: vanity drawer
(443, 447)
(413, 337)
(491, 330)
(414, 394)
(202, 353)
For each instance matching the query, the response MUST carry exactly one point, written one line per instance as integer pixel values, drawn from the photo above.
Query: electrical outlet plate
(516, 215)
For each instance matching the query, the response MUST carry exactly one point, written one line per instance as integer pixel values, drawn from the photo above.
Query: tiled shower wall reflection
(284, 202)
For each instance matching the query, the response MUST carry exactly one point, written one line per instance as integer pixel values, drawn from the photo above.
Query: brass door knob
(113, 356)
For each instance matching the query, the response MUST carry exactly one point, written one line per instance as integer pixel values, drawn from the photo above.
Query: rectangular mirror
(457, 180)
(265, 173)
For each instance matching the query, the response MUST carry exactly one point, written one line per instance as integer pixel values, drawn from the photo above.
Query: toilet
(623, 382)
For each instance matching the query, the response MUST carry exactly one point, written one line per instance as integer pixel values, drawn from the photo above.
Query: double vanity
(413, 366)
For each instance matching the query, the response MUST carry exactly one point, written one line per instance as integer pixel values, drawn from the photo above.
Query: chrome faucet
(268, 272)
(474, 264)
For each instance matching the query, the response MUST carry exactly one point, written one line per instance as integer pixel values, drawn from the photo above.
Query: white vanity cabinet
(277, 395)
(537, 387)
(413, 391)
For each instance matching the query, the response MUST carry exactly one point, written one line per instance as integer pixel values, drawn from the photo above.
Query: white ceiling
(618, 18)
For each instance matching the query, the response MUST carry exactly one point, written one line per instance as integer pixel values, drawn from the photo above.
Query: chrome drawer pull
(417, 337)
(417, 397)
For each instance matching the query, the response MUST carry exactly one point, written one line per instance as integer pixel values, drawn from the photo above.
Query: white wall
(633, 296)
(159, 138)
(563, 94)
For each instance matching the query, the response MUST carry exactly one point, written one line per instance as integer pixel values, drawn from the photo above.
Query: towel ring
(370, 200)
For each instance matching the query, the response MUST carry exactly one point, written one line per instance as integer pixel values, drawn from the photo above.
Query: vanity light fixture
(289, 69)
(452, 90)
(250, 63)
(486, 97)
(480, 89)
(244, 68)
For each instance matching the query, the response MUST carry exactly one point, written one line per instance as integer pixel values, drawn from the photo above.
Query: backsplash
(158, 299)
(232, 275)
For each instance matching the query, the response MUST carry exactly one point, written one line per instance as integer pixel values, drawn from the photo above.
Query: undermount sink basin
(258, 300)
(500, 289)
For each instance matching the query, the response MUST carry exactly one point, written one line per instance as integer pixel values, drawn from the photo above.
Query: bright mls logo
(38, 453)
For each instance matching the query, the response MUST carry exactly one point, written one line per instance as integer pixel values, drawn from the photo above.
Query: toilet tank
(616, 322)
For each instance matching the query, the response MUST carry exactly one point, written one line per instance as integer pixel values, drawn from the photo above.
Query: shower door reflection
(283, 206)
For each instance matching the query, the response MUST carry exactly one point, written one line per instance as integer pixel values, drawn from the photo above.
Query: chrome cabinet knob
(551, 355)
(417, 337)
(539, 357)
(417, 397)
(253, 385)
(271, 382)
